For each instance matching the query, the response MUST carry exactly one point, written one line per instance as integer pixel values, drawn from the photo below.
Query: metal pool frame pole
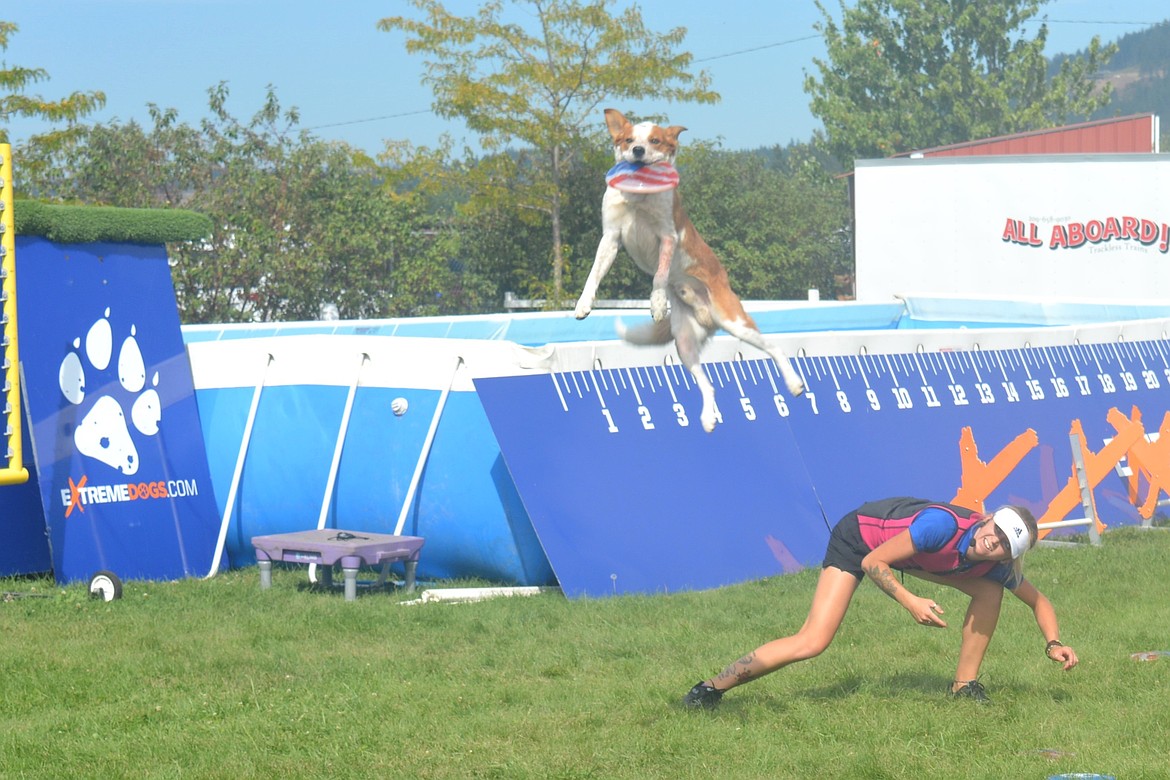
(231, 497)
(337, 448)
(426, 450)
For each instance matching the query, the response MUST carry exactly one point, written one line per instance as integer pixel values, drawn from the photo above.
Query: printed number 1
(609, 419)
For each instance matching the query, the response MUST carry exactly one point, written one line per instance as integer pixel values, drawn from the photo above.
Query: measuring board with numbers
(628, 494)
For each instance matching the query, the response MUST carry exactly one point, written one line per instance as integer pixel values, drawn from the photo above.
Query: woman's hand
(926, 612)
(1064, 655)
(877, 566)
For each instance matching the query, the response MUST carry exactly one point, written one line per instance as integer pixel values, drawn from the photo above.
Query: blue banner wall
(24, 548)
(891, 424)
(627, 493)
(121, 468)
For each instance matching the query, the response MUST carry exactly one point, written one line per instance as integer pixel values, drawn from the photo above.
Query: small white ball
(399, 406)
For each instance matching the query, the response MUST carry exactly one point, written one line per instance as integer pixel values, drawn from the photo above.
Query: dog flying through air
(691, 297)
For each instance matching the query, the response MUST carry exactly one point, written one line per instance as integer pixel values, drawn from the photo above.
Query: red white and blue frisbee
(1150, 655)
(642, 178)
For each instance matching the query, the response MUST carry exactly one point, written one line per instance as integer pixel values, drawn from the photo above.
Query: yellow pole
(13, 472)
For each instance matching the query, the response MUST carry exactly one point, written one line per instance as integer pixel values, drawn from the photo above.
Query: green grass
(216, 679)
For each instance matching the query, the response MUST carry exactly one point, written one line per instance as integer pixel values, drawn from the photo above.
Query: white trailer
(1069, 227)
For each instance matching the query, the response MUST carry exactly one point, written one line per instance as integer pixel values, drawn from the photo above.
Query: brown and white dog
(691, 297)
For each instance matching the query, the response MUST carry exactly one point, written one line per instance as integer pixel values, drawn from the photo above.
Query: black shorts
(846, 547)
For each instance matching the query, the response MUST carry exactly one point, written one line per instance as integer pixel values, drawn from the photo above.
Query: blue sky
(352, 82)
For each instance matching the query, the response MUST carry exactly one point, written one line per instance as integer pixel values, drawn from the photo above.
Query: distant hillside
(1139, 74)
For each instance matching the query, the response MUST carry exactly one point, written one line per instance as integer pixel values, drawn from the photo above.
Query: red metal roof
(1128, 134)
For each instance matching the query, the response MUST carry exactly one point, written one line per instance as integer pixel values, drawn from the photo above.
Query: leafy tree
(15, 100)
(306, 223)
(122, 164)
(911, 74)
(777, 221)
(510, 246)
(297, 222)
(540, 86)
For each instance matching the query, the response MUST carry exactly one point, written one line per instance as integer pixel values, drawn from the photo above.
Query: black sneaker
(702, 696)
(973, 689)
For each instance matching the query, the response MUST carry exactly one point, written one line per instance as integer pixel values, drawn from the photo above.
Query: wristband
(1050, 645)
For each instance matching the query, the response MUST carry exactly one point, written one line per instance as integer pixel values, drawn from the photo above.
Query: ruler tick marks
(560, 395)
(600, 397)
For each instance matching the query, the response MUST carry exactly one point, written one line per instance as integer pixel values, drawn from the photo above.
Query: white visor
(1019, 538)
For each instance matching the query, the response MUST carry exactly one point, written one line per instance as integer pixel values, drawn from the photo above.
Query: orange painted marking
(1097, 466)
(1135, 468)
(75, 495)
(1148, 458)
(979, 480)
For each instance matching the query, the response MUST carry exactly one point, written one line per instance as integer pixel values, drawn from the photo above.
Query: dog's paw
(583, 309)
(104, 433)
(792, 379)
(709, 416)
(658, 305)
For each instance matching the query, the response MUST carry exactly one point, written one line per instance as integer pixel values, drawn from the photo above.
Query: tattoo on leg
(740, 671)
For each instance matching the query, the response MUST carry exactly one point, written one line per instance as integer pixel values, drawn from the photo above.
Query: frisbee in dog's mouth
(642, 178)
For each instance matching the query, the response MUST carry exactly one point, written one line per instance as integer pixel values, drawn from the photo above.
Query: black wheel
(106, 586)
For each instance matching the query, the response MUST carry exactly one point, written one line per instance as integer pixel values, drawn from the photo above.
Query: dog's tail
(646, 334)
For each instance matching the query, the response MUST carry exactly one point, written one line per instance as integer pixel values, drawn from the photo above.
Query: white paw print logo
(103, 433)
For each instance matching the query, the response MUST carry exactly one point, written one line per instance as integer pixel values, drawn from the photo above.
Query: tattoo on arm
(883, 576)
(740, 671)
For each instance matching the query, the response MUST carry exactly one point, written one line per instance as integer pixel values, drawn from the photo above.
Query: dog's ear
(672, 132)
(617, 124)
